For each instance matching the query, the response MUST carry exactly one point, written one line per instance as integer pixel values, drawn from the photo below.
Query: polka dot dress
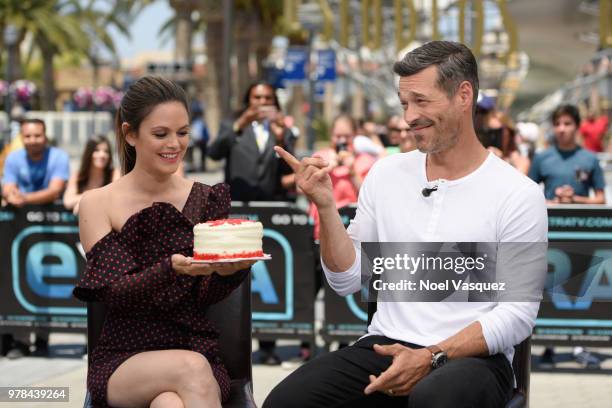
(150, 306)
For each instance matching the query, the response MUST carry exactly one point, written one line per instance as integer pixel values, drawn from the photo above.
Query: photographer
(252, 168)
(348, 169)
(498, 134)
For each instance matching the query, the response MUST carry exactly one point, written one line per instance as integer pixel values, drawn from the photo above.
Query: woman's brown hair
(86, 158)
(509, 135)
(139, 100)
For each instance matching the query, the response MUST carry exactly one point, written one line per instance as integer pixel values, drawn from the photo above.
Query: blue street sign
(295, 64)
(326, 65)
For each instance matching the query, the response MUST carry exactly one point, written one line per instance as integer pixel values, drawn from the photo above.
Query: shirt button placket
(438, 198)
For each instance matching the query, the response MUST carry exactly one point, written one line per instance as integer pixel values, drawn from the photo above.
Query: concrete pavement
(548, 390)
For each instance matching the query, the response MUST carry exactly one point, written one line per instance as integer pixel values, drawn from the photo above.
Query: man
(568, 171)
(253, 170)
(36, 174)
(450, 190)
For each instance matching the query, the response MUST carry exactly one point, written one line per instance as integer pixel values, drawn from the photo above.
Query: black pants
(338, 379)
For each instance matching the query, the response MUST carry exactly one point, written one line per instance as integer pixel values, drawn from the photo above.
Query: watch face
(439, 360)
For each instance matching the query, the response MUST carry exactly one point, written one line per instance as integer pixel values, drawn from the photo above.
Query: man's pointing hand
(312, 177)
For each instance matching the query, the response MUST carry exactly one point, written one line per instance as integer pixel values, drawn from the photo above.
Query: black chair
(232, 316)
(521, 365)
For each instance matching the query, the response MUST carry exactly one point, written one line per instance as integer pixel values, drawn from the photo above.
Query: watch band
(438, 356)
(434, 349)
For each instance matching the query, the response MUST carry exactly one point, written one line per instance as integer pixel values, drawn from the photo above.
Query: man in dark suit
(252, 168)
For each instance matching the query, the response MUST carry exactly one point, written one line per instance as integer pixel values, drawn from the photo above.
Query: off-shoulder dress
(150, 306)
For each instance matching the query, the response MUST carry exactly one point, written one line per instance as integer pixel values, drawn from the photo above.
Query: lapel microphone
(427, 191)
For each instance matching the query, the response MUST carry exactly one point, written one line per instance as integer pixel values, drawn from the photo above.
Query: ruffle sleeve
(113, 276)
(218, 203)
(134, 266)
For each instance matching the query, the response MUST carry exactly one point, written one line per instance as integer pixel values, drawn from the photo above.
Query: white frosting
(227, 239)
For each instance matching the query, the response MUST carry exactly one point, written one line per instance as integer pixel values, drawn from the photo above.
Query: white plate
(265, 257)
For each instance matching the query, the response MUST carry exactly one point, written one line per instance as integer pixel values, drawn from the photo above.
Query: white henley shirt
(494, 203)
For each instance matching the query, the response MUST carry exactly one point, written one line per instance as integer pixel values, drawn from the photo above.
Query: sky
(144, 30)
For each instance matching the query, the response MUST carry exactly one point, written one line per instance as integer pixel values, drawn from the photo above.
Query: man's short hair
(455, 63)
(247, 95)
(34, 121)
(567, 109)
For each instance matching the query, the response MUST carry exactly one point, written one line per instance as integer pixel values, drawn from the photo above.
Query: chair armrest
(241, 395)
(88, 403)
(518, 400)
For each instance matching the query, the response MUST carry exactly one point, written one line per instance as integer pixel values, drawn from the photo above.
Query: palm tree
(256, 23)
(53, 26)
(255, 20)
(96, 22)
(60, 32)
(21, 15)
(58, 26)
(183, 28)
(211, 13)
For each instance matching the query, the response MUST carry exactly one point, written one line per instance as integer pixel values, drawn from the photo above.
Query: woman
(501, 139)
(96, 171)
(156, 347)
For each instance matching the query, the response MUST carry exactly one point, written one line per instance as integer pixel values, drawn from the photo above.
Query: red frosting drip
(231, 221)
(233, 255)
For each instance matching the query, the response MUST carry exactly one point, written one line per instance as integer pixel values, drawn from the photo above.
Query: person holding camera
(252, 168)
(348, 169)
(500, 138)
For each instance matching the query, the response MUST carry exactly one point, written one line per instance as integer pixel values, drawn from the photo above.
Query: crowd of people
(361, 163)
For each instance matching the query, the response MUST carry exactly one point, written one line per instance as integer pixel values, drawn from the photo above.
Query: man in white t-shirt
(425, 354)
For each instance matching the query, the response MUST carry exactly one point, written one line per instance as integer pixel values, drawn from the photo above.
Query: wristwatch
(438, 357)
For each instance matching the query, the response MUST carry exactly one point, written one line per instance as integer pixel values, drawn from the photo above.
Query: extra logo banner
(40, 261)
(576, 303)
(577, 308)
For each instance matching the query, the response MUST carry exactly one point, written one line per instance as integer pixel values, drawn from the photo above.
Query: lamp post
(10, 36)
(228, 28)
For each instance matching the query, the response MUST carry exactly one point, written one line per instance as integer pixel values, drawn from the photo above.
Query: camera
(493, 137)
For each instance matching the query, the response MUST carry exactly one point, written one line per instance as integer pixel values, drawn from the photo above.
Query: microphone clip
(427, 191)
